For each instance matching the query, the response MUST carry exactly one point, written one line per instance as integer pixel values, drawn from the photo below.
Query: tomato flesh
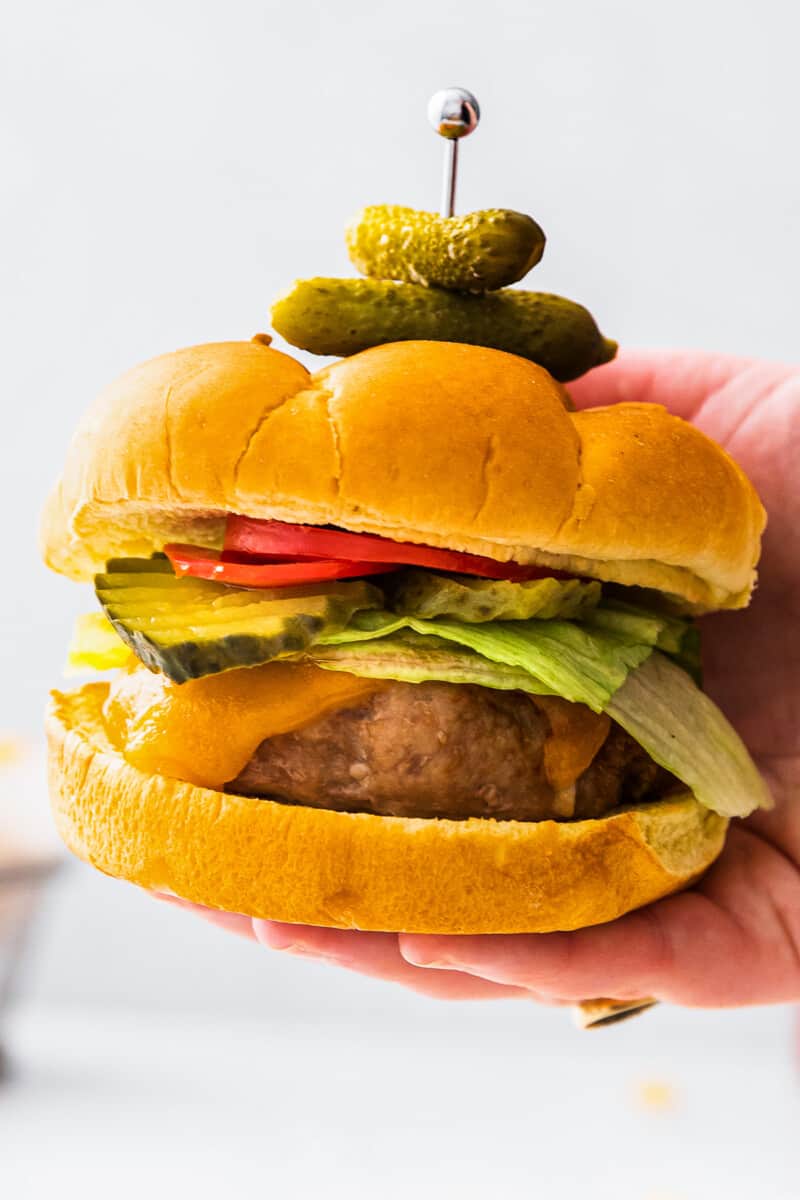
(199, 563)
(248, 536)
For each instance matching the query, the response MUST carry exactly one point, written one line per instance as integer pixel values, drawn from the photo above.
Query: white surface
(127, 1107)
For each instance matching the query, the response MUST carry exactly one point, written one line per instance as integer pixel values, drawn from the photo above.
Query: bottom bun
(354, 870)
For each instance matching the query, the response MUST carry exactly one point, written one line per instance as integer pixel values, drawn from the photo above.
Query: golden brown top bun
(432, 442)
(313, 866)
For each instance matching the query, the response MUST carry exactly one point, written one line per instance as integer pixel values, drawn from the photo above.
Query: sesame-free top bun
(432, 442)
(313, 866)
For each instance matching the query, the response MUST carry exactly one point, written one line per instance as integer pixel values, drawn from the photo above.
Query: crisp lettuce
(684, 731)
(674, 635)
(415, 658)
(579, 664)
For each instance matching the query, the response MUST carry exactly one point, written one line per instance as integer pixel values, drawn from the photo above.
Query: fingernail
(302, 951)
(424, 960)
(274, 939)
(282, 944)
(277, 939)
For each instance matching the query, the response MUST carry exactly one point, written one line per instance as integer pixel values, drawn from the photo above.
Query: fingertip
(167, 898)
(275, 935)
(315, 941)
(425, 950)
(622, 378)
(231, 922)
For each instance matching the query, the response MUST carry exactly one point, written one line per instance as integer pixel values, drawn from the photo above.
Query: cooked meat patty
(442, 750)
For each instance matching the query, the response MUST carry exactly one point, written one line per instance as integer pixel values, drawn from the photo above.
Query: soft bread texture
(431, 442)
(313, 866)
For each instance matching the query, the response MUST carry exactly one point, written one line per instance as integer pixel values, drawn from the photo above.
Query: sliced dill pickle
(476, 252)
(344, 316)
(165, 584)
(171, 621)
(156, 564)
(186, 628)
(464, 598)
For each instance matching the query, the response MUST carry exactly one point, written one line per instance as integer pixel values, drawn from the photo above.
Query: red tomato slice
(208, 564)
(246, 535)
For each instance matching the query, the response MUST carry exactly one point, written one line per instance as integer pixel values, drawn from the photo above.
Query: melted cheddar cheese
(206, 731)
(576, 735)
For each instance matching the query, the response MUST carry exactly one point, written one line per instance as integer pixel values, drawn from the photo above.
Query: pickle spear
(344, 316)
(476, 252)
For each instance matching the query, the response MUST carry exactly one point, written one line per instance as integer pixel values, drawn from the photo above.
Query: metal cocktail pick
(454, 112)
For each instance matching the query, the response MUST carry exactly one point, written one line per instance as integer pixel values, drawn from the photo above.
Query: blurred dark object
(592, 1014)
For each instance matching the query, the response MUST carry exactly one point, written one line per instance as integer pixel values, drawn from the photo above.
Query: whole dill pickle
(343, 316)
(476, 252)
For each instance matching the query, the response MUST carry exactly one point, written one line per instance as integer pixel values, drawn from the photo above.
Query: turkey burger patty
(441, 750)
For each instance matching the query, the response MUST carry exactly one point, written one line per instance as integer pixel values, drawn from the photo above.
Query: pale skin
(734, 938)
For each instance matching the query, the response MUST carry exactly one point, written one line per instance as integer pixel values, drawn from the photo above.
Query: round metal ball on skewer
(454, 113)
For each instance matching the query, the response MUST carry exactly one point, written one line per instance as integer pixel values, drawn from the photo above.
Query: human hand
(734, 938)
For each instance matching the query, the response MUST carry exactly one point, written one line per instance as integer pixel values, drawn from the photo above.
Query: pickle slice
(343, 316)
(476, 252)
(187, 628)
(156, 564)
(464, 598)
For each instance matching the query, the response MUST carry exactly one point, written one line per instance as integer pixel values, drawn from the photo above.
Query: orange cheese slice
(576, 734)
(206, 731)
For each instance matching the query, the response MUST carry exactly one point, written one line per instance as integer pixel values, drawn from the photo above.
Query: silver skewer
(454, 113)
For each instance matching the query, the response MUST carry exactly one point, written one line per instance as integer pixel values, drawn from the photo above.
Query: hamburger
(404, 644)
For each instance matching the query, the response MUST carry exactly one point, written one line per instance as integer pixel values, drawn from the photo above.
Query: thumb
(681, 380)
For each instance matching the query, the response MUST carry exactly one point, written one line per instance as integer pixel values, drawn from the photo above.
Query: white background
(168, 167)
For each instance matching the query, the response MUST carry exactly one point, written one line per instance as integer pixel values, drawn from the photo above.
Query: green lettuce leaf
(676, 636)
(419, 593)
(583, 665)
(684, 731)
(414, 658)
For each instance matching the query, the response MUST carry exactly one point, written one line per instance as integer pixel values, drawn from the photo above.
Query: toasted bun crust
(317, 867)
(433, 442)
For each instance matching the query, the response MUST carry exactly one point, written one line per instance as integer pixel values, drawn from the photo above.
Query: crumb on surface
(12, 749)
(656, 1095)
